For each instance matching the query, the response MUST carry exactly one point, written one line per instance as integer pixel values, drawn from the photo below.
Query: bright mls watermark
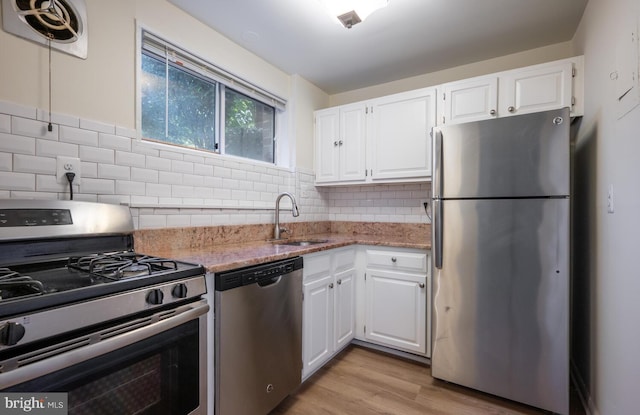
(49, 403)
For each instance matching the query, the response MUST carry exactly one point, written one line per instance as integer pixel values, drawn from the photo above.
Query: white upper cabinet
(539, 89)
(385, 140)
(535, 88)
(340, 144)
(399, 135)
(470, 100)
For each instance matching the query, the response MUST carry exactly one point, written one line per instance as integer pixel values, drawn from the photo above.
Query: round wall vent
(63, 22)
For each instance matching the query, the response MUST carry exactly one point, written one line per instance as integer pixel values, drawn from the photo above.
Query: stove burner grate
(121, 265)
(13, 284)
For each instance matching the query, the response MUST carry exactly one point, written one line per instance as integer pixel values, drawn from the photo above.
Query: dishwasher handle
(265, 282)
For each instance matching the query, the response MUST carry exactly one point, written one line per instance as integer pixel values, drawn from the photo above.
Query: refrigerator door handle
(436, 181)
(437, 233)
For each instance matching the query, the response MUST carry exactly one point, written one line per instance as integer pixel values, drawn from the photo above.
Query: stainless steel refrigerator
(501, 245)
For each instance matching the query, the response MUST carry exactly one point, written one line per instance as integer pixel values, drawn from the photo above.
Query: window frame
(209, 72)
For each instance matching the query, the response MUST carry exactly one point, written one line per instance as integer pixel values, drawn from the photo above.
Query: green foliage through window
(183, 106)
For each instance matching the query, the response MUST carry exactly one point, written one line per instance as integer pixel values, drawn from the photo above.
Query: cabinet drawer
(405, 261)
(316, 266)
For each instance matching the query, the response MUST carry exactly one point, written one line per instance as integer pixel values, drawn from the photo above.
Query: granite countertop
(222, 253)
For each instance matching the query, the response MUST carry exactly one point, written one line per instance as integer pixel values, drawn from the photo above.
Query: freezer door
(501, 299)
(521, 156)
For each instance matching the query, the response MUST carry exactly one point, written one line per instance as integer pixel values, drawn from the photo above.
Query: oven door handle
(81, 354)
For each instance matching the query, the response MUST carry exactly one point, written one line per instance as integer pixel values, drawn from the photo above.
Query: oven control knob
(155, 297)
(179, 291)
(11, 333)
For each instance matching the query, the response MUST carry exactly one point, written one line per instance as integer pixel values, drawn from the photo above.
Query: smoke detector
(63, 23)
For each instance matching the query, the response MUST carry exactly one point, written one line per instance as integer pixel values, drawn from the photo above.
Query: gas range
(58, 254)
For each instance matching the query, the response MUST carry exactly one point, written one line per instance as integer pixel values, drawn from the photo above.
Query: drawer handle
(394, 259)
(331, 285)
(421, 285)
(339, 282)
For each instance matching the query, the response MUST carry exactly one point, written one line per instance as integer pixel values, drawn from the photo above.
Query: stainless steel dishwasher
(258, 336)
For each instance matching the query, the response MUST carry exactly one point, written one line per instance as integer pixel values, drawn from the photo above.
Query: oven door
(150, 365)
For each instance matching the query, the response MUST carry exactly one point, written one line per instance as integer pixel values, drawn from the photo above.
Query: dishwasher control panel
(260, 274)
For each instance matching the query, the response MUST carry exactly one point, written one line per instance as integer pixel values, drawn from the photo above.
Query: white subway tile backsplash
(17, 144)
(98, 186)
(202, 170)
(33, 164)
(98, 155)
(6, 161)
(177, 221)
(223, 172)
(171, 155)
(145, 200)
(112, 171)
(182, 191)
(18, 181)
(127, 187)
(203, 192)
(144, 175)
(192, 158)
(78, 136)
(152, 221)
(12, 108)
(19, 194)
(126, 132)
(213, 182)
(180, 166)
(169, 178)
(5, 123)
(153, 189)
(89, 169)
(47, 148)
(157, 163)
(142, 147)
(33, 128)
(125, 158)
(119, 168)
(115, 142)
(97, 126)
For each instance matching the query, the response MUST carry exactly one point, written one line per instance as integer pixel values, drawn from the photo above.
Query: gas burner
(14, 285)
(121, 265)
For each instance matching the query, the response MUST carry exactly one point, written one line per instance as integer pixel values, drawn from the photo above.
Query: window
(189, 102)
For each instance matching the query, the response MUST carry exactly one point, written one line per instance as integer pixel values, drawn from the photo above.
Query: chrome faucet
(294, 210)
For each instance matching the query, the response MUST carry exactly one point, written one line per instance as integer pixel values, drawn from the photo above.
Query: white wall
(503, 63)
(606, 335)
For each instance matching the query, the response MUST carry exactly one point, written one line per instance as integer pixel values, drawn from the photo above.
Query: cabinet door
(400, 135)
(345, 312)
(352, 142)
(470, 100)
(327, 136)
(317, 326)
(396, 310)
(541, 88)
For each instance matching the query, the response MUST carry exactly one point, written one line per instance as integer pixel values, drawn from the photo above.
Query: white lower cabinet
(397, 299)
(376, 294)
(328, 315)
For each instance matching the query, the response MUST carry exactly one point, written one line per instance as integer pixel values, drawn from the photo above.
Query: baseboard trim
(583, 392)
(399, 353)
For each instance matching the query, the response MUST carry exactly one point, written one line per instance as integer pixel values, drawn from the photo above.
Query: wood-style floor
(363, 381)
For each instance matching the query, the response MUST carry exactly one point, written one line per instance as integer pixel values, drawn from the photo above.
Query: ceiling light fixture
(351, 12)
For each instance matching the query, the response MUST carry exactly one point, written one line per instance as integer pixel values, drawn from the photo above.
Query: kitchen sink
(301, 243)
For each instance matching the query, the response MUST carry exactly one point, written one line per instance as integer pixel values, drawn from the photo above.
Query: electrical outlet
(68, 165)
(610, 199)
